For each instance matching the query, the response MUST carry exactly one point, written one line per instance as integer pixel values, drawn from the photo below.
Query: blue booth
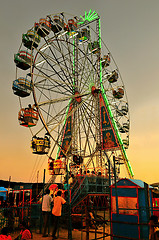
(131, 205)
(3, 193)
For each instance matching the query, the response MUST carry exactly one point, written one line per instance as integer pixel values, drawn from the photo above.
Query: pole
(109, 193)
(147, 201)
(44, 180)
(109, 166)
(69, 205)
(8, 188)
(116, 197)
(42, 197)
(116, 192)
(37, 183)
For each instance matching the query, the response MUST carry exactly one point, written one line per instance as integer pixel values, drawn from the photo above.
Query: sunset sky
(130, 29)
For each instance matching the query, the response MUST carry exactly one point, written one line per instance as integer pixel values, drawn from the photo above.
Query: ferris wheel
(74, 99)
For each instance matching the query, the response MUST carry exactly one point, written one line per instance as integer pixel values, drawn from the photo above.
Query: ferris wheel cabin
(94, 47)
(43, 28)
(84, 35)
(124, 128)
(106, 61)
(23, 59)
(40, 145)
(28, 117)
(72, 25)
(113, 77)
(22, 87)
(123, 111)
(119, 93)
(126, 143)
(58, 24)
(57, 166)
(31, 38)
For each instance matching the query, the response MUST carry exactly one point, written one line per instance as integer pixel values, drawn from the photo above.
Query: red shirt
(4, 237)
(26, 234)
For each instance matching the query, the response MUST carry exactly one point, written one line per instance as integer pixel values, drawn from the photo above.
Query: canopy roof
(2, 189)
(130, 182)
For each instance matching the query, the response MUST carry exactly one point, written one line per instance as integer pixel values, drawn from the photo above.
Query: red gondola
(58, 24)
(72, 25)
(55, 166)
(43, 28)
(28, 117)
(119, 93)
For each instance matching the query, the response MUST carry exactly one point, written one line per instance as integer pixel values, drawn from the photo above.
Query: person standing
(46, 210)
(71, 180)
(56, 212)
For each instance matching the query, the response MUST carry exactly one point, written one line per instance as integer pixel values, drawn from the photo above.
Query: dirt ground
(63, 235)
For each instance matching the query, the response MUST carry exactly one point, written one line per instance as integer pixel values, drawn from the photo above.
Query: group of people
(48, 204)
(56, 204)
(79, 171)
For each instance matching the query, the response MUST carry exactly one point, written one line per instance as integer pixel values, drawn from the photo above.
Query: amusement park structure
(73, 100)
(72, 97)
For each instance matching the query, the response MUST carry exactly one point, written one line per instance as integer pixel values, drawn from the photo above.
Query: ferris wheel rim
(79, 94)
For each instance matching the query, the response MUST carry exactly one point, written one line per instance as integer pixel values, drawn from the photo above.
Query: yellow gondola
(40, 145)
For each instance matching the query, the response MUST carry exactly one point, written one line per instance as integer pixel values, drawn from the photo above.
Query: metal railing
(13, 216)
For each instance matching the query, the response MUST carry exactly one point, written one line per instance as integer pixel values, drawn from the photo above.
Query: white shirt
(46, 203)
